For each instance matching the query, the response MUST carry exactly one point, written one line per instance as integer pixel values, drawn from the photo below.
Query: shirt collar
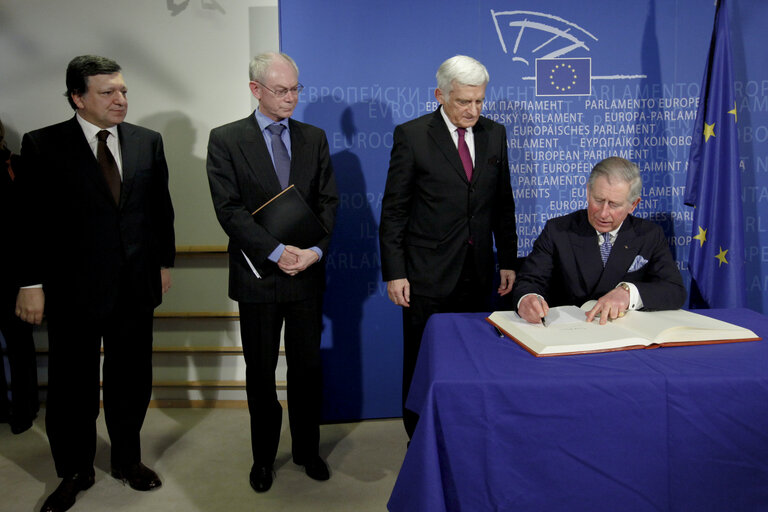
(90, 130)
(451, 127)
(264, 121)
(613, 233)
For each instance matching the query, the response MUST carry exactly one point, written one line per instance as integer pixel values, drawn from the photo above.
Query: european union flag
(713, 185)
(563, 77)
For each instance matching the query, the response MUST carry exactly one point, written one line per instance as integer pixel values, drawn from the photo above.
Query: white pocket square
(637, 264)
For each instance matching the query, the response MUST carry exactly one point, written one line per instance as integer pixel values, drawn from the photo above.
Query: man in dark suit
(447, 198)
(601, 253)
(99, 241)
(249, 162)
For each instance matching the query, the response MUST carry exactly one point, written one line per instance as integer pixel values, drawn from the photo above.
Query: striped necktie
(605, 247)
(280, 154)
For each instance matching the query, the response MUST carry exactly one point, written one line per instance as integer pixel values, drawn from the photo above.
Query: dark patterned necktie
(466, 158)
(280, 154)
(108, 165)
(605, 248)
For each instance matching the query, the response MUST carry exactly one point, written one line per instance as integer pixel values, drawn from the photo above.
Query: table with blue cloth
(666, 429)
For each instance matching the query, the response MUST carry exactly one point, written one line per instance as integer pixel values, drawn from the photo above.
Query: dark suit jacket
(242, 178)
(430, 211)
(8, 229)
(565, 266)
(79, 244)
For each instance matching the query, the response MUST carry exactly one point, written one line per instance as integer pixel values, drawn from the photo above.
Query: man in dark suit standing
(601, 253)
(98, 245)
(249, 162)
(447, 199)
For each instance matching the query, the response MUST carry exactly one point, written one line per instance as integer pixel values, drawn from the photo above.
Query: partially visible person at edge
(22, 408)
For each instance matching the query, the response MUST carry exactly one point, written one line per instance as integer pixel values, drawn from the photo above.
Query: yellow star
(709, 131)
(701, 237)
(721, 257)
(735, 115)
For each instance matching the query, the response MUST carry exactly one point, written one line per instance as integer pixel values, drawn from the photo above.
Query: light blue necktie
(280, 154)
(605, 248)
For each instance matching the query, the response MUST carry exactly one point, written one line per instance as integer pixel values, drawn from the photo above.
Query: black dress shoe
(64, 496)
(138, 476)
(261, 478)
(316, 469)
(19, 426)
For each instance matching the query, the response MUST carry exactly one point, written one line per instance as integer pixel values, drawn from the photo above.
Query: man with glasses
(249, 162)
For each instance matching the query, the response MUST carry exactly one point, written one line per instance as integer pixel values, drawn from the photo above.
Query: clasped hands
(294, 260)
(612, 305)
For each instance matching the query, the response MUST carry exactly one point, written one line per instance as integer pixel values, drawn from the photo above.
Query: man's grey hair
(260, 65)
(460, 69)
(616, 168)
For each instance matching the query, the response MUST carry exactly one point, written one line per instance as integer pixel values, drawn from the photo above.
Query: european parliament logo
(563, 77)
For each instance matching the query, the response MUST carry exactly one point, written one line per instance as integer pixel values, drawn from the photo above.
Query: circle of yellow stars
(565, 67)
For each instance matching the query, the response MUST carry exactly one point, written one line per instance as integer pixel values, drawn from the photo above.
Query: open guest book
(567, 331)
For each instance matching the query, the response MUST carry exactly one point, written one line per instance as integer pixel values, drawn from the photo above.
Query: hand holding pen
(533, 309)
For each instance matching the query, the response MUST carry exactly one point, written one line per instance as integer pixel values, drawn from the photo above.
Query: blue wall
(369, 66)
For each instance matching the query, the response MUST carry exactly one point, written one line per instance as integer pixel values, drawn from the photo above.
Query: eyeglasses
(280, 93)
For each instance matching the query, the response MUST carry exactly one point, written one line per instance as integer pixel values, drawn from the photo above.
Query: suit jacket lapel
(256, 154)
(587, 253)
(444, 141)
(129, 152)
(299, 157)
(481, 147)
(624, 250)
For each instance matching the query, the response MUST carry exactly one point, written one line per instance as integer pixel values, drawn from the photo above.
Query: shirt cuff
(524, 296)
(635, 301)
(275, 255)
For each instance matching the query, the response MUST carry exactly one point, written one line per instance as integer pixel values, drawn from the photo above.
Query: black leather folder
(290, 220)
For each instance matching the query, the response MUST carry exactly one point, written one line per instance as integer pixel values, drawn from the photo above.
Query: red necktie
(466, 158)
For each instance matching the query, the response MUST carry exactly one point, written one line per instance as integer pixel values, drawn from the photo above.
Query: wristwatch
(626, 287)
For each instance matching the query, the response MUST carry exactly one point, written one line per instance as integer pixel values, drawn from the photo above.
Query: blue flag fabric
(713, 186)
(563, 77)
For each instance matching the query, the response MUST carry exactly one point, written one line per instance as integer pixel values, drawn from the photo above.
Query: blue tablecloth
(667, 429)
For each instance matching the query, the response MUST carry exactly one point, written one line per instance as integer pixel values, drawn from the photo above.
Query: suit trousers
(260, 326)
(73, 385)
(22, 363)
(469, 295)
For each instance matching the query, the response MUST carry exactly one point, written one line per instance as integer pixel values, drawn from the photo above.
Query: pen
(501, 334)
(544, 318)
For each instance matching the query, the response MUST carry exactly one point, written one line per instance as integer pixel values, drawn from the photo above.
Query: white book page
(568, 331)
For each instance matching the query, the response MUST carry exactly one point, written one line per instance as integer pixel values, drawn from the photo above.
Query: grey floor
(203, 458)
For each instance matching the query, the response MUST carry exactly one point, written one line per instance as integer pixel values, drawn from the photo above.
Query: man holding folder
(249, 162)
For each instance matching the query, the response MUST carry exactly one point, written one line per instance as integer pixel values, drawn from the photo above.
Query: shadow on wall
(353, 265)
(195, 221)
